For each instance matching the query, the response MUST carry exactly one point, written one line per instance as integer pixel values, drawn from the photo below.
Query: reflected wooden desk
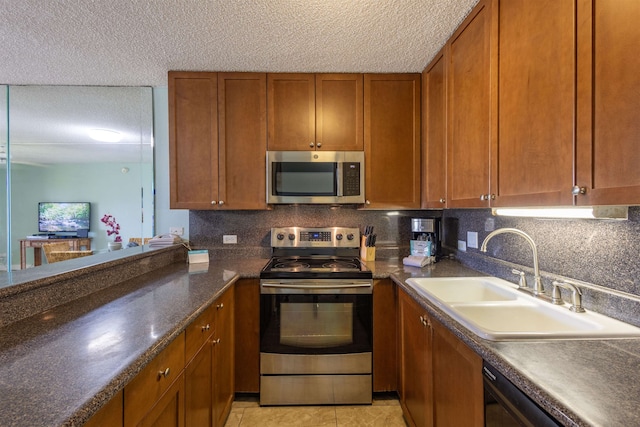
(75, 244)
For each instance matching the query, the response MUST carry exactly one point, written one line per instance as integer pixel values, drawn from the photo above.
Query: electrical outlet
(462, 245)
(489, 224)
(229, 239)
(176, 230)
(472, 239)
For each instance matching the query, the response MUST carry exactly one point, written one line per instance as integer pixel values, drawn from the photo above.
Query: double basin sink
(494, 309)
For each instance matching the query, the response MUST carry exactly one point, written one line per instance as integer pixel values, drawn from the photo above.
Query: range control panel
(303, 237)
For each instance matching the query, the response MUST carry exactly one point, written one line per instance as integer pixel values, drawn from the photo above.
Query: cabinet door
(434, 135)
(385, 372)
(111, 414)
(193, 140)
(247, 328)
(469, 110)
(339, 111)
(291, 111)
(533, 163)
(608, 100)
(392, 140)
(416, 395)
(242, 115)
(457, 381)
(150, 386)
(199, 388)
(223, 388)
(169, 410)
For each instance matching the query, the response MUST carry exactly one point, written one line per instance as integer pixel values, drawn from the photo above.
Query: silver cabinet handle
(206, 327)
(213, 202)
(311, 144)
(214, 342)
(367, 202)
(318, 144)
(219, 306)
(576, 190)
(221, 203)
(442, 200)
(163, 374)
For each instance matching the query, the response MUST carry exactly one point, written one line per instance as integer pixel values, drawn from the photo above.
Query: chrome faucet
(576, 295)
(537, 285)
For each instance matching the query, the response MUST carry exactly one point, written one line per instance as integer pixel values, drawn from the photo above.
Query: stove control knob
(339, 236)
(292, 236)
(350, 236)
(280, 236)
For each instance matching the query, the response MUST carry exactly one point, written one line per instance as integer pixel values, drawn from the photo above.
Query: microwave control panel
(351, 179)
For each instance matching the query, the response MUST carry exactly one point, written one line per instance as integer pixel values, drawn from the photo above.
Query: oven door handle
(311, 285)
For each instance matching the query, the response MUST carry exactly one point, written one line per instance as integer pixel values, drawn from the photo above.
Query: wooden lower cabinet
(385, 360)
(156, 395)
(416, 389)
(209, 386)
(110, 415)
(440, 377)
(457, 381)
(223, 357)
(247, 328)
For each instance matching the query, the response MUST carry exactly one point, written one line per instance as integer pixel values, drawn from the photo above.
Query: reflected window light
(103, 342)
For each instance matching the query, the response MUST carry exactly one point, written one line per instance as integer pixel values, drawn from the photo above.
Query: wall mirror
(74, 144)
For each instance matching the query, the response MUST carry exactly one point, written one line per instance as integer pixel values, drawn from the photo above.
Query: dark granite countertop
(59, 367)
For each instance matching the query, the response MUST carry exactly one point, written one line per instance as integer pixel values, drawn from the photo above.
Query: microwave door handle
(339, 176)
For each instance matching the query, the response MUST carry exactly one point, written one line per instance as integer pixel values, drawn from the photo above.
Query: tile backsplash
(603, 253)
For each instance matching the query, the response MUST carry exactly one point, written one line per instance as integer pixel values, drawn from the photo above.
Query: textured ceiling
(135, 42)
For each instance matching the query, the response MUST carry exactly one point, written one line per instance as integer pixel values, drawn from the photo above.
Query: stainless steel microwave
(315, 177)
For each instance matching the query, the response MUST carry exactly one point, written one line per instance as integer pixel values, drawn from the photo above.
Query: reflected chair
(138, 240)
(55, 252)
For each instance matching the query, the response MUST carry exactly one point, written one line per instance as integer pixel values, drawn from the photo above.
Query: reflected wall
(53, 158)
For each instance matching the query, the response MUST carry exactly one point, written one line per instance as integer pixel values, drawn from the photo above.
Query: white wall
(165, 217)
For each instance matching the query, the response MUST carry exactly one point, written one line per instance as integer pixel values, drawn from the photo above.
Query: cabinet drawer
(199, 331)
(147, 387)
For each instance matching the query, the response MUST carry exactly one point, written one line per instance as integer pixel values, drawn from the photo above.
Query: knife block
(367, 253)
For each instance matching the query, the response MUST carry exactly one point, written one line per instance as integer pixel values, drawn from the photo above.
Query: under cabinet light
(587, 212)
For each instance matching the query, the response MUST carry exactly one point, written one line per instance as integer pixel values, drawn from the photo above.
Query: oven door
(316, 317)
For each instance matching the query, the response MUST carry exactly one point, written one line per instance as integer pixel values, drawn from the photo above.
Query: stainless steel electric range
(316, 319)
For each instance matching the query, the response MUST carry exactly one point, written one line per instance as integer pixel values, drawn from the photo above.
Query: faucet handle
(522, 282)
(576, 295)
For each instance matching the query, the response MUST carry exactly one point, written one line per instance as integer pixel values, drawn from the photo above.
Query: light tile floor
(384, 412)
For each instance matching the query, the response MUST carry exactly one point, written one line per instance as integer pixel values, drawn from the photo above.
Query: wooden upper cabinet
(392, 140)
(469, 124)
(339, 112)
(315, 112)
(193, 139)
(608, 152)
(217, 140)
(242, 121)
(291, 111)
(434, 135)
(532, 162)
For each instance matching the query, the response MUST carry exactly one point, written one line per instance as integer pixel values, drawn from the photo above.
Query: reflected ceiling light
(105, 135)
(586, 212)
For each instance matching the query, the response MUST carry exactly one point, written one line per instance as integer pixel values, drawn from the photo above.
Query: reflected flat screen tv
(58, 217)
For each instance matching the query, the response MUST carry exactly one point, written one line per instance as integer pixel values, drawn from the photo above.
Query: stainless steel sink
(495, 310)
